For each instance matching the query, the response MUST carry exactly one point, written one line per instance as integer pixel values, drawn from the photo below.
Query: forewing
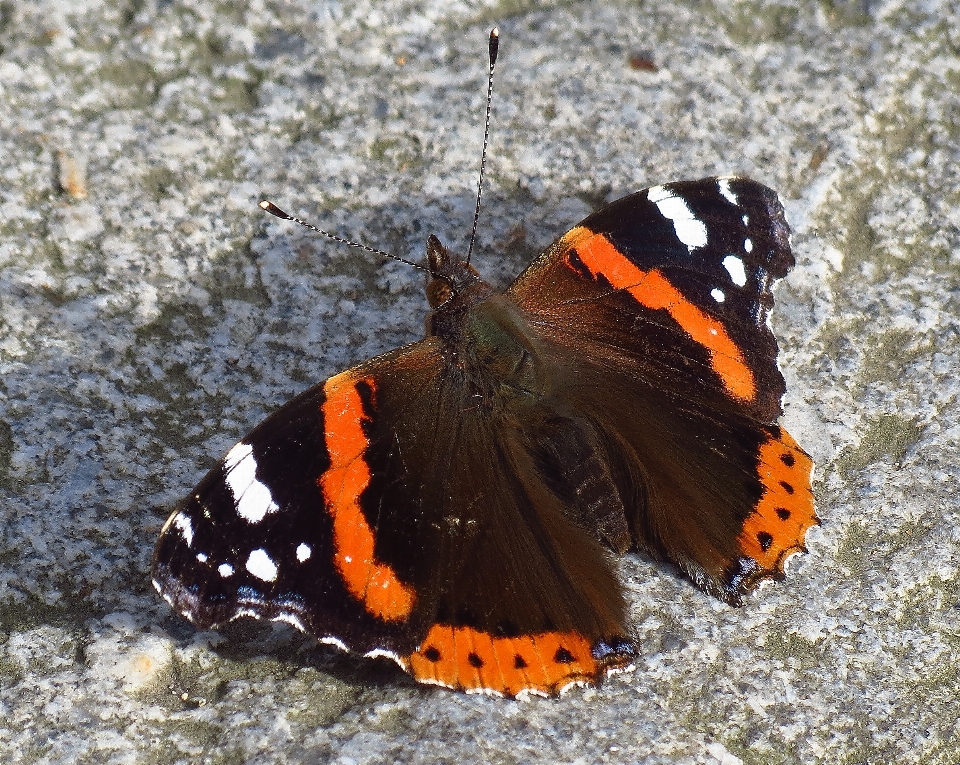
(287, 526)
(676, 282)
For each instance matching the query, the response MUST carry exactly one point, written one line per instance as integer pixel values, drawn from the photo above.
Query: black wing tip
(184, 602)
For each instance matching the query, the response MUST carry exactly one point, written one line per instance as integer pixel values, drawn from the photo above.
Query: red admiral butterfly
(454, 504)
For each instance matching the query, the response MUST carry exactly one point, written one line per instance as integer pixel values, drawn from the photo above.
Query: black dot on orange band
(786, 487)
(475, 661)
(765, 540)
(431, 654)
(787, 459)
(563, 656)
(783, 513)
(518, 662)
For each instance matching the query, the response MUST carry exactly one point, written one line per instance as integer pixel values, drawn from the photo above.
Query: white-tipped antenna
(494, 46)
(271, 208)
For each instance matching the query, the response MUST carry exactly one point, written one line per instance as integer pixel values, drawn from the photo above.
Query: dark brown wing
(674, 280)
(657, 304)
(389, 512)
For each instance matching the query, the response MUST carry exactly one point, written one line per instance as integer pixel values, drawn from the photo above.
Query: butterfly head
(451, 280)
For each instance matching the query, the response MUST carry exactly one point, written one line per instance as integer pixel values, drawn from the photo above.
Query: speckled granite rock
(150, 315)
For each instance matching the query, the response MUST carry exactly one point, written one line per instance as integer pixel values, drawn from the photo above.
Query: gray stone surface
(150, 315)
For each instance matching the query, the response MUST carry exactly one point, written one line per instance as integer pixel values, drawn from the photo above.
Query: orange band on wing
(653, 290)
(468, 659)
(372, 583)
(785, 511)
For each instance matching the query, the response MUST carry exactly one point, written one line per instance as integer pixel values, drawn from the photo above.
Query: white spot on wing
(432, 681)
(183, 523)
(621, 670)
(748, 245)
(689, 229)
(378, 652)
(334, 641)
(303, 552)
(718, 295)
(290, 619)
(573, 684)
(486, 692)
(726, 192)
(202, 557)
(251, 497)
(735, 268)
(225, 570)
(525, 693)
(261, 565)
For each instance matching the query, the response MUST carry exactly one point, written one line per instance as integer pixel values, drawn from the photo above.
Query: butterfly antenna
(494, 46)
(271, 208)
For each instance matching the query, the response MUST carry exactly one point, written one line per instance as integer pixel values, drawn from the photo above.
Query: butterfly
(457, 504)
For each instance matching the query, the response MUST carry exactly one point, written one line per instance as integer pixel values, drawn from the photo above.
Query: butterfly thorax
(485, 335)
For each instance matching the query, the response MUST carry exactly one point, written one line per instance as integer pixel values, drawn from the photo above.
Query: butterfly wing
(278, 529)
(662, 298)
(382, 511)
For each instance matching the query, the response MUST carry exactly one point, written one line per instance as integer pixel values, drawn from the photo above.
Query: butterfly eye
(439, 292)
